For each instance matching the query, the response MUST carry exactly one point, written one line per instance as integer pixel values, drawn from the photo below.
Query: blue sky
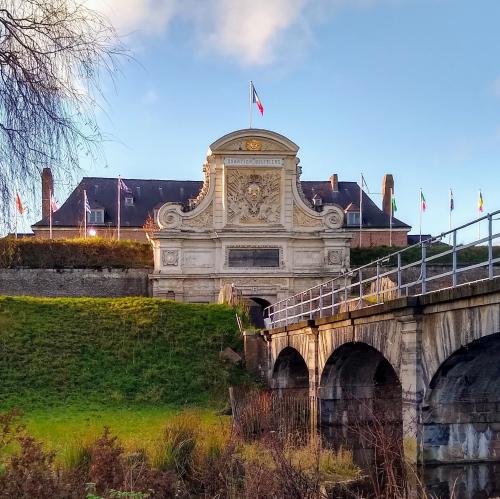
(408, 87)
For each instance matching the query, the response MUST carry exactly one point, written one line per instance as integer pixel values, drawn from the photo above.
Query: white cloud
(250, 31)
(147, 16)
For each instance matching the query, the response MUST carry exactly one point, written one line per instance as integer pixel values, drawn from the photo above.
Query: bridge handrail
(336, 294)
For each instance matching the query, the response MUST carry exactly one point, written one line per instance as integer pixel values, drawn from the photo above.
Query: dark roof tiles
(151, 194)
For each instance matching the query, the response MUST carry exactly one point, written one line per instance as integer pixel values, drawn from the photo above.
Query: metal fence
(450, 259)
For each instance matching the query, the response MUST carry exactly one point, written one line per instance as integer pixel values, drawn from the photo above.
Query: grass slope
(114, 352)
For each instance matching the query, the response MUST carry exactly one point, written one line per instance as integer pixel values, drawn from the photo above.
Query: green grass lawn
(76, 365)
(136, 428)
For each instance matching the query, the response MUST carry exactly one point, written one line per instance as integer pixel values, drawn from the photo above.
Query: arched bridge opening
(290, 372)
(360, 401)
(461, 411)
(290, 395)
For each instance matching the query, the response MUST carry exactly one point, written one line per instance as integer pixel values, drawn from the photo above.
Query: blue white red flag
(123, 186)
(86, 201)
(256, 100)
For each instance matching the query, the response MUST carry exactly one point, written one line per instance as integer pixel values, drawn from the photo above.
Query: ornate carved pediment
(204, 220)
(302, 219)
(253, 197)
(255, 144)
(170, 217)
(331, 218)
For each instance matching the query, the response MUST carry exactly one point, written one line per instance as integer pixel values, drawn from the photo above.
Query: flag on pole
(393, 203)
(423, 204)
(53, 204)
(452, 202)
(480, 203)
(86, 201)
(123, 186)
(19, 204)
(256, 100)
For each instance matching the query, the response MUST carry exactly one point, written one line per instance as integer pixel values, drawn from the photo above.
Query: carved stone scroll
(302, 219)
(204, 220)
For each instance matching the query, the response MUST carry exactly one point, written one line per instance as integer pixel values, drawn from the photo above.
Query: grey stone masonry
(428, 363)
(75, 282)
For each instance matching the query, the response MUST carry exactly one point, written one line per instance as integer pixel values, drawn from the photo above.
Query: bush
(74, 253)
(468, 256)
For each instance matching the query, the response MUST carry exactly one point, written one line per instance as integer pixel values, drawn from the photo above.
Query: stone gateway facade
(251, 225)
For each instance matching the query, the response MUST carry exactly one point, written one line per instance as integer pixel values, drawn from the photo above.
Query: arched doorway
(256, 311)
(461, 412)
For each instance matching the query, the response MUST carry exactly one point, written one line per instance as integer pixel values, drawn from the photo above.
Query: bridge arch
(360, 389)
(461, 409)
(290, 370)
(357, 379)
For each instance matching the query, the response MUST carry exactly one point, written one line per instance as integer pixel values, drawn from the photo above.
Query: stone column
(412, 384)
(312, 363)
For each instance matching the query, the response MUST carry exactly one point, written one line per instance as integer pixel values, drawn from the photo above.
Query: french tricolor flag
(256, 100)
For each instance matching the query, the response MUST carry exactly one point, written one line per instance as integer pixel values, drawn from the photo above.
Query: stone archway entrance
(256, 310)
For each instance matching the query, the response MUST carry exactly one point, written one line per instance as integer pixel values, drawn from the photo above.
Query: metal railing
(435, 263)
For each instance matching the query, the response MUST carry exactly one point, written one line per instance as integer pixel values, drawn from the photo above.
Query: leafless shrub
(261, 412)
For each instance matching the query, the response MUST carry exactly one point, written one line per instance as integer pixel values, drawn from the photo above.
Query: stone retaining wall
(75, 282)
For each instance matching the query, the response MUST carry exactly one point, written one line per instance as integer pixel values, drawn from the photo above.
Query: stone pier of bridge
(429, 363)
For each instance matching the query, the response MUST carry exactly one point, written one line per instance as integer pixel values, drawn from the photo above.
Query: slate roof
(348, 192)
(151, 194)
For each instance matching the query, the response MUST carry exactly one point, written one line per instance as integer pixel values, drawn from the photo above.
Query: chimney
(47, 189)
(387, 186)
(334, 182)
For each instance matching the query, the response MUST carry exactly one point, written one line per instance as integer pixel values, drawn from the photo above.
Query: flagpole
(250, 108)
(119, 208)
(450, 210)
(50, 214)
(85, 214)
(360, 211)
(479, 223)
(449, 206)
(390, 219)
(420, 223)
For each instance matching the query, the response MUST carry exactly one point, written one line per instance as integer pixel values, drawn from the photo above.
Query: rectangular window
(129, 201)
(254, 257)
(95, 217)
(353, 218)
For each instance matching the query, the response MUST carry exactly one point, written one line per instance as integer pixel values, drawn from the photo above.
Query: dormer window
(95, 217)
(317, 202)
(129, 201)
(353, 218)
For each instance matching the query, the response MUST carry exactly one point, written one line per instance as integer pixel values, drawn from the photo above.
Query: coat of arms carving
(253, 198)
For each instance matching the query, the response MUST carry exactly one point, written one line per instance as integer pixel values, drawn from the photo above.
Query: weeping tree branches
(53, 55)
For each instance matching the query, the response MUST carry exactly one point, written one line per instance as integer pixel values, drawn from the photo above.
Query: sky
(408, 87)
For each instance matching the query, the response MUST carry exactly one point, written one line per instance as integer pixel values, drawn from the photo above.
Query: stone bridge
(431, 362)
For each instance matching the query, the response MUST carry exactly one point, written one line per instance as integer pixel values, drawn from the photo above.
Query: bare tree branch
(53, 55)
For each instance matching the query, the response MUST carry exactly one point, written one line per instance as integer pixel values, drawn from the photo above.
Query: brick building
(148, 196)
